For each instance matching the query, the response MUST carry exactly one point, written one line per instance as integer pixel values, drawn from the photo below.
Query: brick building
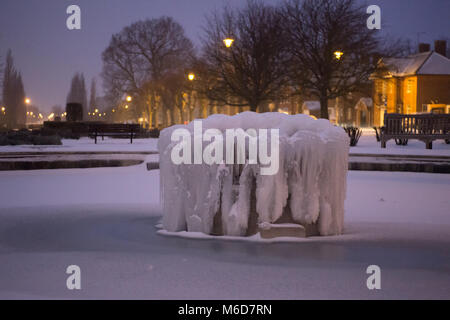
(414, 84)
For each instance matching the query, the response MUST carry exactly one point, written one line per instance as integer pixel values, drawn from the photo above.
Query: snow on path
(368, 144)
(103, 220)
(87, 145)
(66, 187)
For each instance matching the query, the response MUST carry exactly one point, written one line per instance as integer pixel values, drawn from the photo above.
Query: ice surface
(311, 179)
(102, 220)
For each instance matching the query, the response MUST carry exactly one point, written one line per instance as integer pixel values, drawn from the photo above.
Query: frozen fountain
(285, 177)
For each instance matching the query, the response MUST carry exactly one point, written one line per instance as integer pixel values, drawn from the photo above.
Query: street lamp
(338, 54)
(228, 42)
(3, 109)
(27, 100)
(129, 98)
(191, 76)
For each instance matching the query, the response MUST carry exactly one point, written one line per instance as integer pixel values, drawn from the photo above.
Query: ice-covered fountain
(296, 187)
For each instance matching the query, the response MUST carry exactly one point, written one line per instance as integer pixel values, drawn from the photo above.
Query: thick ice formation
(309, 187)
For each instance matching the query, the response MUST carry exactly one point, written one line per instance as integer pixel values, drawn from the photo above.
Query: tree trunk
(204, 106)
(323, 106)
(150, 119)
(172, 116)
(263, 107)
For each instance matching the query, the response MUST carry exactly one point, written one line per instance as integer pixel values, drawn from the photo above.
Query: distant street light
(27, 100)
(129, 98)
(228, 42)
(126, 106)
(191, 76)
(96, 110)
(3, 109)
(338, 54)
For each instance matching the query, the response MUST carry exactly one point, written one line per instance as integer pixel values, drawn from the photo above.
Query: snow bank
(231, 199)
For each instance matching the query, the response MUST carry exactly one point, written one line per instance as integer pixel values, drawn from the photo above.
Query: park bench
(424, 127)
(116, 130)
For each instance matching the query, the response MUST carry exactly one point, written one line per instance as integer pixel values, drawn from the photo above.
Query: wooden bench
(114, 130)
(424, 127)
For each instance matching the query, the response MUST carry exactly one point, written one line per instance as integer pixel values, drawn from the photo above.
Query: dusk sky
(48, 54)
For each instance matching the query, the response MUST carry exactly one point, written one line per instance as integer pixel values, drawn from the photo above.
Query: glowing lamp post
(191, 76)
(129, 98)
(338, 54)
(228, 42)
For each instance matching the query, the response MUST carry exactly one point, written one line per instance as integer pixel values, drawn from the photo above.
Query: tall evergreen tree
(93, 96)
(13, 94)
(77, 92)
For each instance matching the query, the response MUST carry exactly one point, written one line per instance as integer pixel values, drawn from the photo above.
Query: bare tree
(317, 30)
(140, 57)
(253, 70)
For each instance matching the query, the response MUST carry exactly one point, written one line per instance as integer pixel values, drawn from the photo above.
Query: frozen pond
(103, 220)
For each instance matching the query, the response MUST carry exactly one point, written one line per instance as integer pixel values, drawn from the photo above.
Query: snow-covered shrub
(25, 137)
(235, 199)
(354, 133)
(377, 133)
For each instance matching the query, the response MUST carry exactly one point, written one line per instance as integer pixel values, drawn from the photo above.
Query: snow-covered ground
(87, 145)
(368, 144)
(103, 221)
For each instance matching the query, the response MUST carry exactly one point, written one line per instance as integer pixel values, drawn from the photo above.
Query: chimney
(424, 47)
(440, 46)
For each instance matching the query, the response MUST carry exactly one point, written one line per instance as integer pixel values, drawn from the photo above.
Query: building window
(409, 86)
(408, 109)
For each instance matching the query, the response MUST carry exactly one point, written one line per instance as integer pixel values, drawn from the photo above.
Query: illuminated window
(409, 86)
